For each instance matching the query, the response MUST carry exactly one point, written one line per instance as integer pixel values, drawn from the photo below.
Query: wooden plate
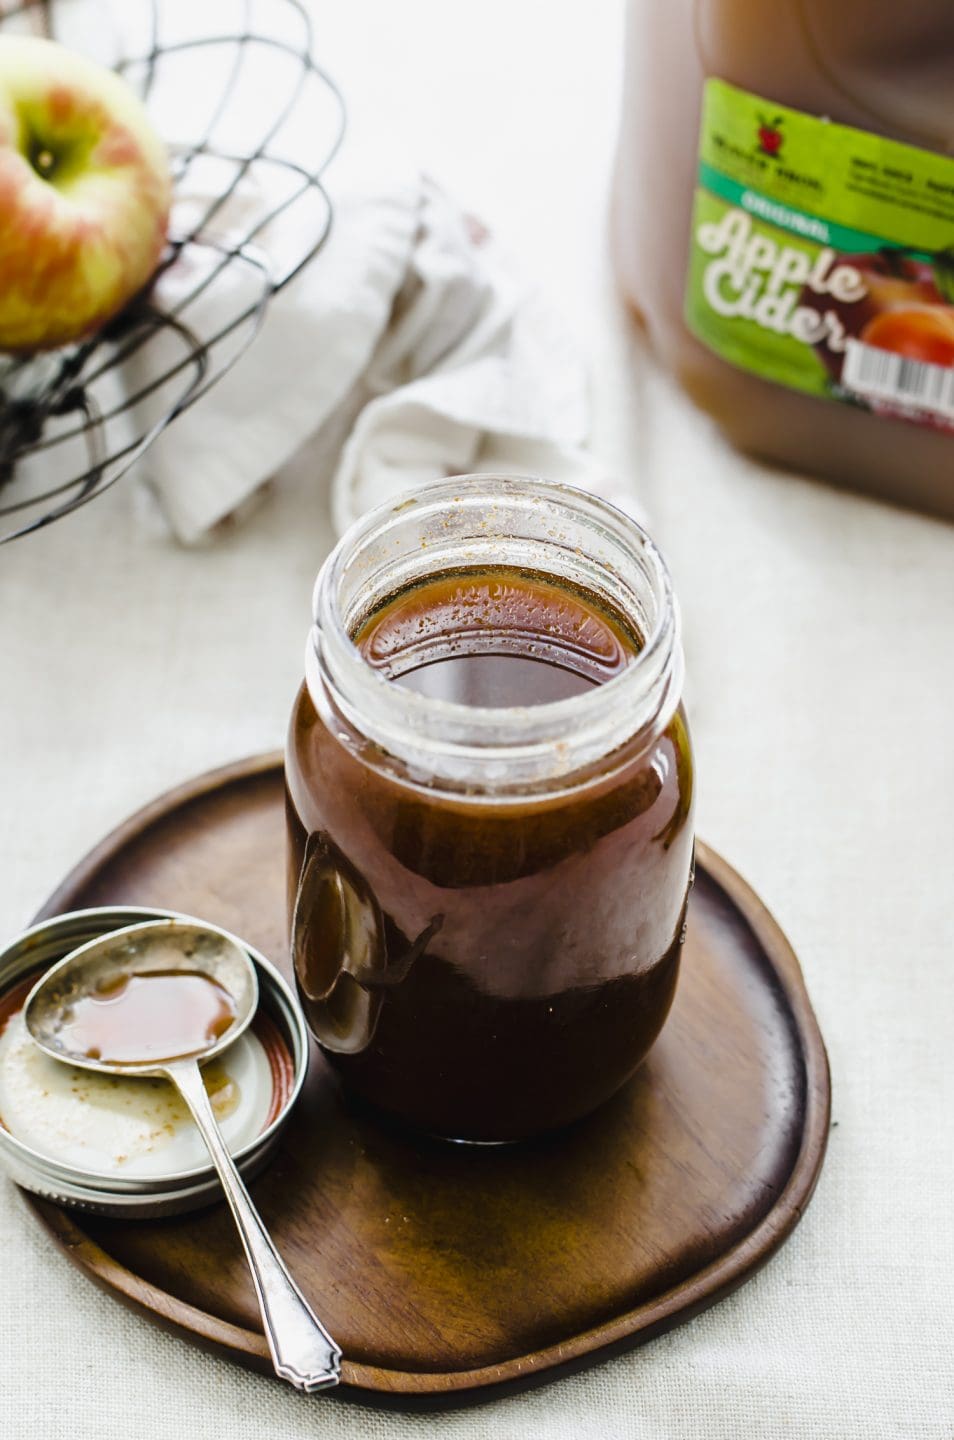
(446, 1273)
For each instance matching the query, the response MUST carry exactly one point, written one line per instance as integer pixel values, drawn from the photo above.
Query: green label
(822, 257)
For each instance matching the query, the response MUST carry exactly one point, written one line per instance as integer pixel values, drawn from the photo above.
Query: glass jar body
(535, 946)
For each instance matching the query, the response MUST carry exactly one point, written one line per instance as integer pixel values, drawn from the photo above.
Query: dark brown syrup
(153, 1016)
(496, 638)
(484, 967)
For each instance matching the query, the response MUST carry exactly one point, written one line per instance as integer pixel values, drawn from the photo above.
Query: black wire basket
(251, 122)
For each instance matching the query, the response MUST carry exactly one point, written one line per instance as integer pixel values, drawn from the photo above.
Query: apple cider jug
(783, 225)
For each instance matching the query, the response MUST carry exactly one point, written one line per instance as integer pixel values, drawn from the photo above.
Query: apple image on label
(925, 333)
(892, 280)
(84, 195)
(770, 139)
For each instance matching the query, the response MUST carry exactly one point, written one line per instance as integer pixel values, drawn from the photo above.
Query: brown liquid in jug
(884, 68)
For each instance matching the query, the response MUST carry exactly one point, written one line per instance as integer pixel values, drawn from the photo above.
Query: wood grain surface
(449, 1273)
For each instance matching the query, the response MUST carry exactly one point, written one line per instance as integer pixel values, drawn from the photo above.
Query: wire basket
(251, 123)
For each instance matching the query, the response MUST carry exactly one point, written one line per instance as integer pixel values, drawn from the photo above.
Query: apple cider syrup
(783, 224)
(489, 787)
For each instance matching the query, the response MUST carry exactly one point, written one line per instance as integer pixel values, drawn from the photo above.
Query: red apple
(84, 194)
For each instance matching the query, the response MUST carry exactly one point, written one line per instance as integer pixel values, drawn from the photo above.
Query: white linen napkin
(407, 350)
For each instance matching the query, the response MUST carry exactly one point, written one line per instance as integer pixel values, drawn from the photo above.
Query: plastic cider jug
(783, 224)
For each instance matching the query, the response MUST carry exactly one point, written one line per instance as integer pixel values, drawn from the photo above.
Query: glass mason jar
(487, 902)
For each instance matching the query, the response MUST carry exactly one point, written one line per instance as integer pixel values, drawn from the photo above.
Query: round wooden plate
(446, 1273)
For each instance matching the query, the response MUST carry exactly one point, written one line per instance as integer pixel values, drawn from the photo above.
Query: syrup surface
(154, 1016)
(496, 638)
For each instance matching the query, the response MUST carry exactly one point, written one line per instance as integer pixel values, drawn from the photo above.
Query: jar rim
(511, 735)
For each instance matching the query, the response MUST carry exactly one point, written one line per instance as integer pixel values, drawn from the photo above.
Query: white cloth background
(819, 644)
(396, 359)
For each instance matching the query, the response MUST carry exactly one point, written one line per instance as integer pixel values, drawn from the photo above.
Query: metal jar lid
(166, 1194)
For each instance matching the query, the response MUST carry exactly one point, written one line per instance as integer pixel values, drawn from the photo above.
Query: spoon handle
(302, 1350)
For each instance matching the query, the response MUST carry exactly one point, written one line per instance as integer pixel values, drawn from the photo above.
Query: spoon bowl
(92, 1009)
(156, 947)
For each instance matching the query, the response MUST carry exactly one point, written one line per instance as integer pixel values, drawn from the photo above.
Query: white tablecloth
(820, 634)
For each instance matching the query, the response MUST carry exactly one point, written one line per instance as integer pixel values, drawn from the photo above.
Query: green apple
(84, 194)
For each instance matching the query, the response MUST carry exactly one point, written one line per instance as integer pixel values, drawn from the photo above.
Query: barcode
(878, 374)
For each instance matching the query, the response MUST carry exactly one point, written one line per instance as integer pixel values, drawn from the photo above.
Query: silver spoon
(302, 1350)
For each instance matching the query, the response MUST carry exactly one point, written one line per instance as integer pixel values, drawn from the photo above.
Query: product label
(822, 257)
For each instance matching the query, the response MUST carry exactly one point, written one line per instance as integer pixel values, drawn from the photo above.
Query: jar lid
(128, 1146)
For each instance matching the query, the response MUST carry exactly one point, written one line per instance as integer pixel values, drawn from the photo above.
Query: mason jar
(489, 799)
